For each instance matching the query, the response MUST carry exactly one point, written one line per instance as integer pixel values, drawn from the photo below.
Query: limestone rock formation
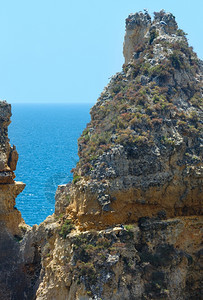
(141, 153)
(140, 160)
(129, 225)
(156, 259)
(10, 218)
(14, 282)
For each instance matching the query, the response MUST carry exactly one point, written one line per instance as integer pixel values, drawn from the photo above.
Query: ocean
(45, 136)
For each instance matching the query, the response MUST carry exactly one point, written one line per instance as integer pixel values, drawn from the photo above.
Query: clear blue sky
(65, 50)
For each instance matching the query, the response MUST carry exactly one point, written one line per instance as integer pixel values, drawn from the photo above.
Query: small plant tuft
(76, 178)
(66, 228)
(129, 227)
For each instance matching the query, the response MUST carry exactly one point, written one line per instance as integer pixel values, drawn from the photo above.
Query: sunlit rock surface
(142, 151)
(129, 225)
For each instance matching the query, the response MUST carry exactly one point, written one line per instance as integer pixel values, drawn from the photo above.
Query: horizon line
(82, 102)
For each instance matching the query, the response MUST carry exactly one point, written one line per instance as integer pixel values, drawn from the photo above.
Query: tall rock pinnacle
(141, 152)
(129, 224)
(140, 29)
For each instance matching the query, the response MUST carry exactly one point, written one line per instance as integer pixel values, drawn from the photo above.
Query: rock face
(140, 27)
(140, 166)
(156, 259)
(8, 154)
(10, 217)
(140, 160)
(137, 26)
(15, 280)
(141, 152)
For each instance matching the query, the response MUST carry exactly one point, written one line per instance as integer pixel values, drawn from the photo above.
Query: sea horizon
(48, 103)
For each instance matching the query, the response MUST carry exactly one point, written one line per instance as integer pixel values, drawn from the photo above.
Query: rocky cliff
(141, 152)
(154, 259)
(15, 280)
(10, 217)
(129, 224)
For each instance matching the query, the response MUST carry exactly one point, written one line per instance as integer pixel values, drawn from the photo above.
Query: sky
(65, 51)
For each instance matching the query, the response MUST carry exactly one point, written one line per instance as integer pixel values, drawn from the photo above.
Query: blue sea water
(45, 136)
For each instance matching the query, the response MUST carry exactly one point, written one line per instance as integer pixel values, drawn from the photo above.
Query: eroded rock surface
(142, 150)
(156, 259)
(10, 217)
(140, 163)
(129, 225)
(16, 280)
